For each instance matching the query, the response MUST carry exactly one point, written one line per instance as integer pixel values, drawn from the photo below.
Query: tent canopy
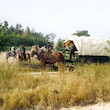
(89, 45)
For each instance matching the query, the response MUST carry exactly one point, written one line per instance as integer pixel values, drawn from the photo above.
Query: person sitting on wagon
(22, 51)
(73, 49)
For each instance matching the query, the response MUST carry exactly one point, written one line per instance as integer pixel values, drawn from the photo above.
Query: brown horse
(43, 56)
(20, 57)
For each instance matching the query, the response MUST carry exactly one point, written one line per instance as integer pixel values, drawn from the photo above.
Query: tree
(47, 37)
(50, 37)
(82, 33)
(5, 39)
(28, 30)
(5, 27)
(11, 30)
(41, 41)
(15, 35)
(59, 44)
(19, 29)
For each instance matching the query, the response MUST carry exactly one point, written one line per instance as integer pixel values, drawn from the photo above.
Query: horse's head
(34, 50)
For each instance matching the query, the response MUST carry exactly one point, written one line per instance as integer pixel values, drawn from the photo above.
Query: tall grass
(85, 85)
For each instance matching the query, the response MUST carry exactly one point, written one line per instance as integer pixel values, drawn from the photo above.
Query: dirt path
(36, 74)
(100, 106)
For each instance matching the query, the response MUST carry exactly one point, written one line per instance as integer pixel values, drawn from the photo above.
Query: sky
(62, 17)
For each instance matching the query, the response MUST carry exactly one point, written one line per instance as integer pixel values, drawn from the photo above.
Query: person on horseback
(22, 51)
(49, 51)
(13, 50)
(73, 49)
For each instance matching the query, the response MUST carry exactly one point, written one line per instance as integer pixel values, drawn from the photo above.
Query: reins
(40, 55)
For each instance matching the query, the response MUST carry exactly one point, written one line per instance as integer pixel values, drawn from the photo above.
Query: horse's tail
(62, 59)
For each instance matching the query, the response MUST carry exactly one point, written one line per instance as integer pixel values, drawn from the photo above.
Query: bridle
(40, 54)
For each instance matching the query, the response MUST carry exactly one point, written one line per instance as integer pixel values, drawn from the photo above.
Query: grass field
(87, 84)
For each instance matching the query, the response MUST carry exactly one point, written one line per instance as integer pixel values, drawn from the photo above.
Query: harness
(41, 57)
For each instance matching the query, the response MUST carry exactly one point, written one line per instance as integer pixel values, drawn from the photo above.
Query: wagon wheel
(82, 60)
(67, 67)
(71, 68)
(90, 60)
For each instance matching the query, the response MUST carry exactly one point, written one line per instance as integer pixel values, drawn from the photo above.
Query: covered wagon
(89, 49)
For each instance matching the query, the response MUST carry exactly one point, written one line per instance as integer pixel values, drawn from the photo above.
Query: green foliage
(59, 44)
(50, 37)
(4, 38)
(52, 44)
(17, 35)
(81, 33)
(41, 41)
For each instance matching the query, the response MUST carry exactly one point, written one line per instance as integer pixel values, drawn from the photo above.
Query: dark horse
(43, 56)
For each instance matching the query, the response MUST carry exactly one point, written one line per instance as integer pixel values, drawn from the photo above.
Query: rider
(72, 48)
(22, 51)
(13, 50)
(48, 50)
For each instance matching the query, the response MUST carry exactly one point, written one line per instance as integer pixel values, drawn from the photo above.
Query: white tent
(90, 45)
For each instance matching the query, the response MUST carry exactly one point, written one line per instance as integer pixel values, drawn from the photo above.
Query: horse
(20, 57)
(10, 54)
(43, 57)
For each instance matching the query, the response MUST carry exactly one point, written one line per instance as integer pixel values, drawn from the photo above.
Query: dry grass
(85, 85)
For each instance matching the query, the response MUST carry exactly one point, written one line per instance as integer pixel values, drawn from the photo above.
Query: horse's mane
(43, 48)
(33, 47)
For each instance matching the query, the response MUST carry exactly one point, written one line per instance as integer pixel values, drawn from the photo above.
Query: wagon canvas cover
(89, 45)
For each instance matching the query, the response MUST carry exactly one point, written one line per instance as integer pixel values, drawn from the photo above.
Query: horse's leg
(19, 58)
(14, 58)
(54, 67)
(7, 59)
(43, 65)
(29, 58)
